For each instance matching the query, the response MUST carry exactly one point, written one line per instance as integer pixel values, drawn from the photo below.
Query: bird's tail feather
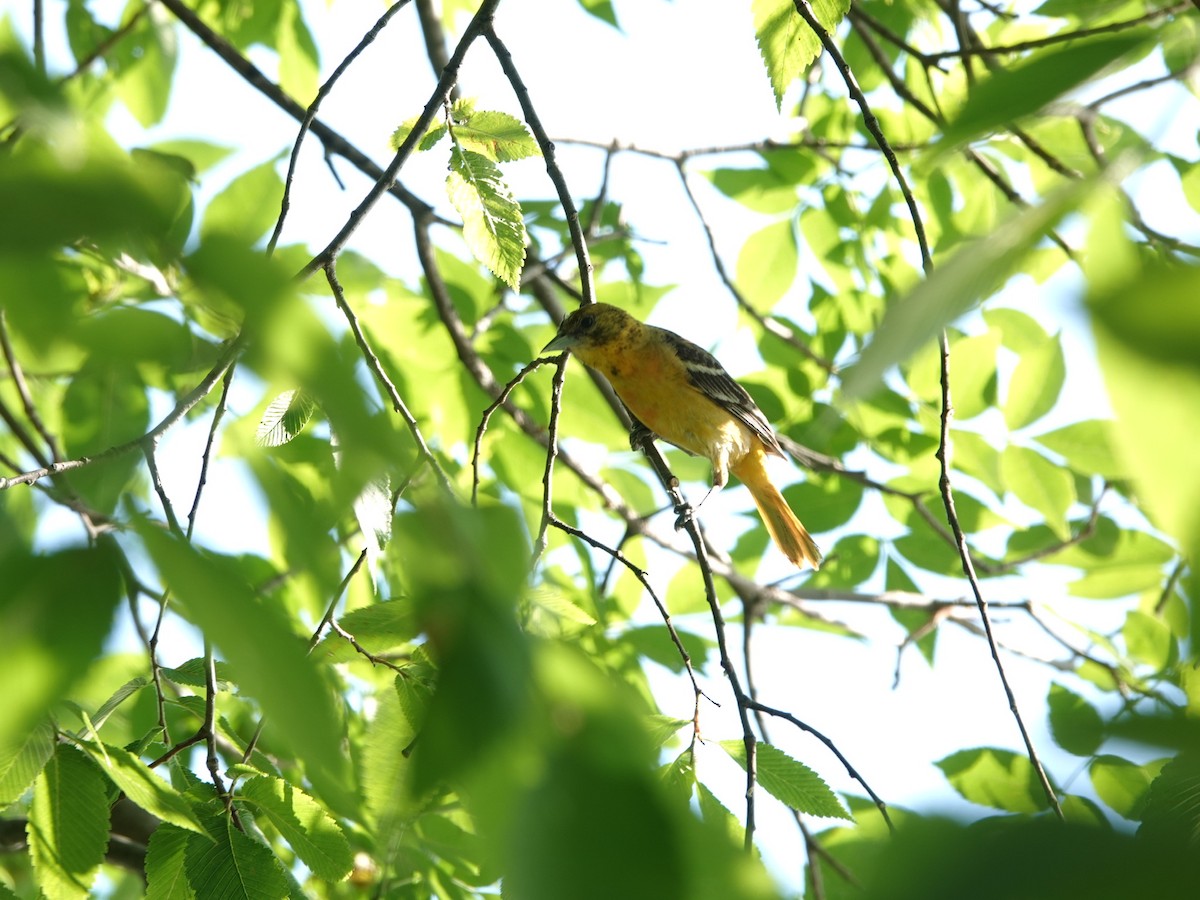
(785, 529)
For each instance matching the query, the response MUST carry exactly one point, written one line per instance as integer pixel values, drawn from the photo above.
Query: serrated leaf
(284, 418)
(786, 42)
(166, 873)
(492, 223)
(143, 787)
(1035, 384)
(789, 780)
(68, 825)
(232, 865)
(1074, 722)
(123, 693)
(497, 135)
(23, 760)
(303, 823)
(433, 134)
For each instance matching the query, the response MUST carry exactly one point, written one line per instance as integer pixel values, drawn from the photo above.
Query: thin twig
(389, 388)
(18, 377)
(968, 566)
(311, 113)
(547, 146)
(182, 408)
(218, 414)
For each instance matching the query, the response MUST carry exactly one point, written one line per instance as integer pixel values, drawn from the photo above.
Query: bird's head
(589, 327)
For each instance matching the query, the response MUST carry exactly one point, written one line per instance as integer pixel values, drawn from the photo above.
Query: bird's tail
(785, 529)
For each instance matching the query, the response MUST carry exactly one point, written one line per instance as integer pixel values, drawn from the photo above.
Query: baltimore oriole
(680, 393)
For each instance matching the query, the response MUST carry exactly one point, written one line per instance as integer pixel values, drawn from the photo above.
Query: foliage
(311, 583)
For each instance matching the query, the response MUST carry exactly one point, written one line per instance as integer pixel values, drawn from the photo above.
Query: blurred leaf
(1157, 428)
(653, 642)
(602, 10)
(1074, 722)
(248, 206)
(1035, 385)
(1011, 94)
(1148, 640)
(997, 778)
(68, 825)
(766, 264)
(269, 658)
(1087, 448)
(492, 224)
(762, 190)
(1040, 485)
(975, 271)
(466, 569)
(39, 658)
(1123, 785)
(311, 832)
(789, 780)
(143, 62)
(299, 61)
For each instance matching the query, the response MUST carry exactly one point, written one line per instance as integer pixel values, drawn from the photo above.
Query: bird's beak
(560, 343)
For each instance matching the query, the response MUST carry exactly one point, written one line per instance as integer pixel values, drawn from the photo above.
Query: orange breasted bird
(681, 394)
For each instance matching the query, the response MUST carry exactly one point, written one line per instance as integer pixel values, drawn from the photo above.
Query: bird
(678, 391)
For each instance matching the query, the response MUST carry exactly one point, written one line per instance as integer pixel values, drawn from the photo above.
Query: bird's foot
(684, 515)
(640, 437)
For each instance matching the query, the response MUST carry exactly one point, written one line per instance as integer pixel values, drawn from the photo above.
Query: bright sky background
(683, 75)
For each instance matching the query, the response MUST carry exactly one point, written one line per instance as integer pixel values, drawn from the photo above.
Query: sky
(682, 75)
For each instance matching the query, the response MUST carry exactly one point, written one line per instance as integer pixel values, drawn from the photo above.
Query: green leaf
(974, 272)
(284, 418)
(997, 778)
(1011, 94)
(1087, 448)
(231, 865)
(248, 206)
(1074, 722)
(492, 224)
(466, 569)
(22, 761)
(1040, 485)
(299, 61)
(267, 656)
(767, 264)
(166, 874)
(1122, 785)
(496, 135)
(39, 658)
(789, 780)
(762, 190)
(143, 787)
(1141, 352)
(1148, 640)
(144, 64)
(602, 10)
(1171, 812)
(786, 42)
(303, 823)
(68, 825)
(1036, 384)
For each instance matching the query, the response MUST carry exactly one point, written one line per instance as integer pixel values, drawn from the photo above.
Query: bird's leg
(686, 511)
(640, 437)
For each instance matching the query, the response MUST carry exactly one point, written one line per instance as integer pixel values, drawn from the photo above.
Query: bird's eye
(586, 323)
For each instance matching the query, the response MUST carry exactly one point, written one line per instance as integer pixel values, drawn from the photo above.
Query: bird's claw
(683, 516)
(640, 437)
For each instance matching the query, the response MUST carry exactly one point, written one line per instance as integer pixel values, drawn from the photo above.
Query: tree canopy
(317, 580)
